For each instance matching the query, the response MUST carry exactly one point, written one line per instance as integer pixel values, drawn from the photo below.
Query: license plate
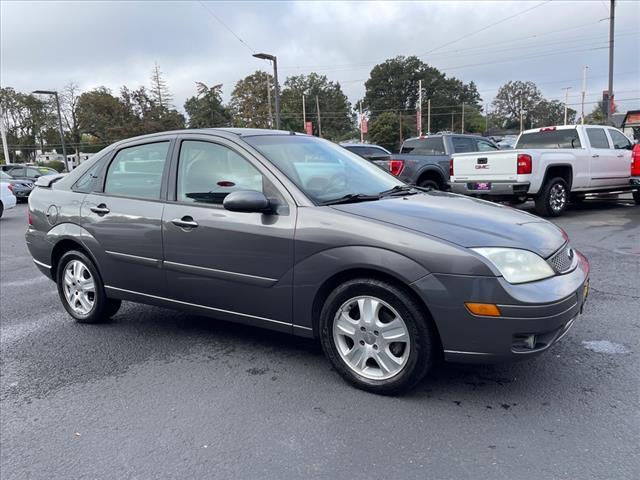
(480, 186)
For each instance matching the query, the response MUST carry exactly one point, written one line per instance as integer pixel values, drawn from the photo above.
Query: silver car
(296, 234)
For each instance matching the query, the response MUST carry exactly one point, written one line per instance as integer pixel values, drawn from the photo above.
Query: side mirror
(247, 201)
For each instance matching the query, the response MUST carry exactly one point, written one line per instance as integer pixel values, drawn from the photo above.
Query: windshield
(322, 170)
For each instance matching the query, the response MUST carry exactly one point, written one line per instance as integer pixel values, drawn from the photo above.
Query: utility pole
(319, 122)
(269, 101)
(462, 127)
(429, 116)
(584, 91)
(612, 16)
(419, 125)
(361, 132)
(5, 147)
(274, 61)
(566, 102)
(304, 114)
(401, 140)
(486, 118)
(64, 148)
(452, 114)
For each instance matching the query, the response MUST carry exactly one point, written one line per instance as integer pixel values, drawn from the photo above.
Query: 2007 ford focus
(296, 234)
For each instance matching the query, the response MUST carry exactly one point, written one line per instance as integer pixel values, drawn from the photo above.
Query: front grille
(564, 260)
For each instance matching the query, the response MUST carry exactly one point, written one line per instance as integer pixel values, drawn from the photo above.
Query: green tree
(384, 130)
(393, 85)
(514, 97)
(102, 115)
(205, 110)
(548, 113)
(249, 101)
(598, 115)
(337, 118)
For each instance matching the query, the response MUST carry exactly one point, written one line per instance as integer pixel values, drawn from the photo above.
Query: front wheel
(376, 336)
(553, 198)
(81, 290)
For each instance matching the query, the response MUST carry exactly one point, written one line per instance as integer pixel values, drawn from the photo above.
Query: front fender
(314, 271)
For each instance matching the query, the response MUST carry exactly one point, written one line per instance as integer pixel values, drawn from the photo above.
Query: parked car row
(21, 178)
(552, 166)
(7, 198)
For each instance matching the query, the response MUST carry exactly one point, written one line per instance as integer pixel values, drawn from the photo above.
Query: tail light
(451, 167)
(524, 164)
(635, 161)
(10, 187)
(395, 167)
(29, 219)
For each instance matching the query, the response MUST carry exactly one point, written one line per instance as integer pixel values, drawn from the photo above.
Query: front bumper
(508, 189)
(544, 309)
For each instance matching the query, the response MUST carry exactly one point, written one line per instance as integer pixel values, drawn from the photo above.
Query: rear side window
(137, 171)
(564, 138)
(424, 146)
(620, 142)
(463, 144)
(597, 138)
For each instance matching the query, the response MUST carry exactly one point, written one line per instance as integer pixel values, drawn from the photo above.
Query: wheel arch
(562, 170)
(432, 172)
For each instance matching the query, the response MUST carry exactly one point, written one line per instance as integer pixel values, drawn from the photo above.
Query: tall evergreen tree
(160, 93)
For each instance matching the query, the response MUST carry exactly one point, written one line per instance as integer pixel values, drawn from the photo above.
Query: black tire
(553, 198)
(636, 197)
(423, 343)
(1, 209)
(103, 308)
(429, 184)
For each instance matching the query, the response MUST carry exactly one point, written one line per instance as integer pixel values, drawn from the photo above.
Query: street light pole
(566, 101)
(273, 59)
(64, 147)
(612, 16)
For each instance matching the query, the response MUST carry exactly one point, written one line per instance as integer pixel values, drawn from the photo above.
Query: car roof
(226, 131)
(354, 144)
(451, 134)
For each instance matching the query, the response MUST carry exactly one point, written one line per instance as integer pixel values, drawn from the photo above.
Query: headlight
(517, 266)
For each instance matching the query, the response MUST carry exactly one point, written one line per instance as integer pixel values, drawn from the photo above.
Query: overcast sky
(48, 44)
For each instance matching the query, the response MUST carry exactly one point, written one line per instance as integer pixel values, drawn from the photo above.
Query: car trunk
(481, 165)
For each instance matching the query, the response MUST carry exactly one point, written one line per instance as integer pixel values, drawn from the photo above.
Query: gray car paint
(273, 270)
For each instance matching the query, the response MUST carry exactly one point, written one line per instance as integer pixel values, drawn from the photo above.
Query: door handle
(185, 222)
(595, 155)
(100, 209)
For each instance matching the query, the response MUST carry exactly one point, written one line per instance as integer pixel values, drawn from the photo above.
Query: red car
(635, 171)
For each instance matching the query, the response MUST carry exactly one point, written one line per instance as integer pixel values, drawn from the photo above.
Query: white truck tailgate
(494, 166)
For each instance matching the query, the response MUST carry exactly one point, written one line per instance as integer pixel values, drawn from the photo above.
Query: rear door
(236, 263)
(124, 215)
(603, 171)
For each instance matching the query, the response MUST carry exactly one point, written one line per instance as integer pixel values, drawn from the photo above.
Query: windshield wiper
(401, 190)
(352, 198)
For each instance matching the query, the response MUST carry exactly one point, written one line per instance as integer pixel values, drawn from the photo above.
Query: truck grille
(564, 260)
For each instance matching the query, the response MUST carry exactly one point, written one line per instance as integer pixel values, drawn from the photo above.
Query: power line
(226, 26)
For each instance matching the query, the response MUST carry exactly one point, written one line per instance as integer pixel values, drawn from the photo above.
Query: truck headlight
(515, 265)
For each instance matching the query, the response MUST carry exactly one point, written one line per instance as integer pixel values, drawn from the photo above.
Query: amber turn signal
(484, 309)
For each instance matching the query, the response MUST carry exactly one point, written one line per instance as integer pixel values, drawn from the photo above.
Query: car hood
(465, 221)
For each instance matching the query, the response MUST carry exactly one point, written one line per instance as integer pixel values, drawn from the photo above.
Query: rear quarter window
(565, 138)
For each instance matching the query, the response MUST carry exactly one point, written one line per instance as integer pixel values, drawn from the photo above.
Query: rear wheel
(1, 209)
(429, 184)
(81, 290)
(376, 336)
(636, 197)
(553, 198)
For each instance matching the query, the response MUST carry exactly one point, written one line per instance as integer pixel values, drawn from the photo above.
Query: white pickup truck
(551, 165)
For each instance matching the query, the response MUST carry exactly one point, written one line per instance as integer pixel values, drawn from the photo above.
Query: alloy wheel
(79, 287)
(558, 197)
(371, 338)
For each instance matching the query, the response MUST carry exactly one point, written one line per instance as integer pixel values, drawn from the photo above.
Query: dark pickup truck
(424, 161)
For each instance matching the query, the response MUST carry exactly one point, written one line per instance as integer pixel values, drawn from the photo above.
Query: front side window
(597, 138)
(137, 171)
(208, 172)
(322, 170)
(484, 146)
(620, 142)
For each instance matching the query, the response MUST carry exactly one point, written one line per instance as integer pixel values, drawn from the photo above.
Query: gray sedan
(296, 234)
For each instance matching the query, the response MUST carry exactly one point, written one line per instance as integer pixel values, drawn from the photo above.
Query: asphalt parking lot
(162, 394)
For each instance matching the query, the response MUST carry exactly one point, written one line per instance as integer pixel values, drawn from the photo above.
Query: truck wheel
(429, 184)
(553, 198)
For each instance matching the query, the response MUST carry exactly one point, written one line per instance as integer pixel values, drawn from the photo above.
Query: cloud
(48, 44)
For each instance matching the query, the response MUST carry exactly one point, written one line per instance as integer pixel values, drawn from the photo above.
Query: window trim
(172, 182)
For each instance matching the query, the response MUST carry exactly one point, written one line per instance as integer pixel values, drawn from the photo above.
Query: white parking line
(605, 346)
